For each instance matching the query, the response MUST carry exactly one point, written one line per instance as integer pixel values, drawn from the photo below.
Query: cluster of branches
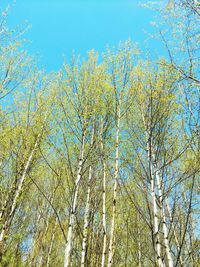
(99, 162)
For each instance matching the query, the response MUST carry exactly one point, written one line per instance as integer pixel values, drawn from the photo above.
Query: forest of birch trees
(100, 161)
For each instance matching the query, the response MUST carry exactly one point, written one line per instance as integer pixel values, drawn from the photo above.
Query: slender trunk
(86, 220)
(68, 246)
(139, 248)
(163, 216)
(155, 205)
(155, 229)
(173, 229)
(166, 240)
(7, 221)
(87, 212)
(111, 244)
(156, 223)
(104, 208)
(159, 261)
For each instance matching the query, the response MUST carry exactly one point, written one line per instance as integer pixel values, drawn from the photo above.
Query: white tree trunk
(87, 211)
(139, 247)
(18, 191)
(155, 205)
(174, 230)
(86, 220)
(104, 209)
(156, 223)
(111, 244)
(163, 217)
(68, 246)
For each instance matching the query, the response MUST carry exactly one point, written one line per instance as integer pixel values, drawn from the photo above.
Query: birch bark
(174, 230)
(111, 244)
(17, 192)
(139, 248)
(68, 246)
(156, 222)
(154, 200)
(165, 230)
(104, 207)
(87, 210)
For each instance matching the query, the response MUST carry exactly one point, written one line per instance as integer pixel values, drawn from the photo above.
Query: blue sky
(60, 26)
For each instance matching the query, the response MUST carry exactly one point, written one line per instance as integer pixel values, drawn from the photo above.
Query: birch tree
(120, 68)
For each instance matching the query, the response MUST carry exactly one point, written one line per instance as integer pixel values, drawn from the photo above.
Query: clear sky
(60, 26)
